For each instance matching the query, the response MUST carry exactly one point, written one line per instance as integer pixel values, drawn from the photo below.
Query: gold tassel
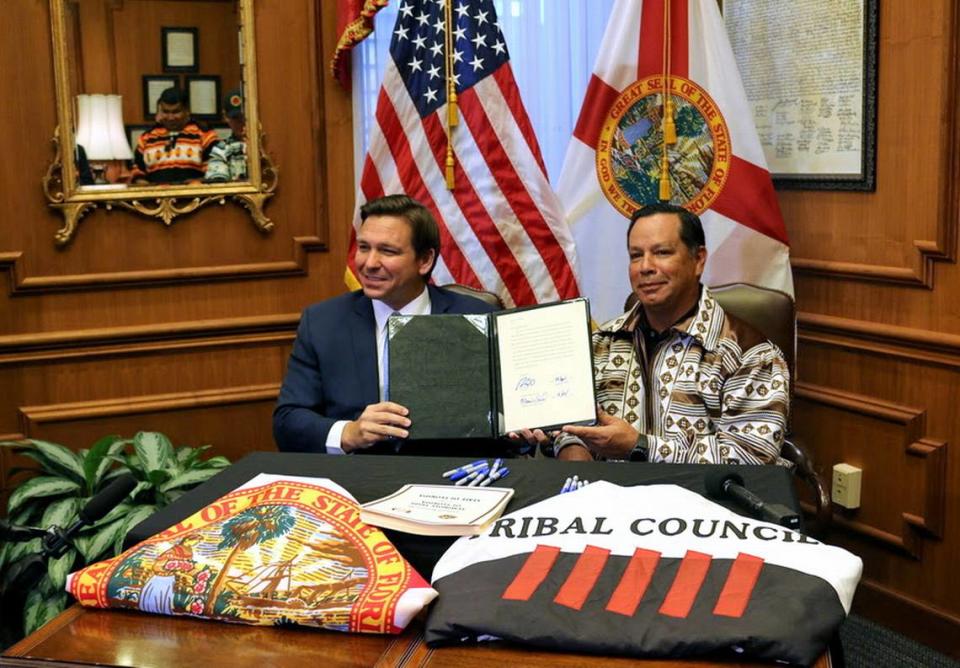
(669, 127)
(449, 168)
(665, 194)
(453, 117)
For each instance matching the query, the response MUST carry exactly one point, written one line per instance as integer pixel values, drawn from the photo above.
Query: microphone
(725, 484)
(56, 541)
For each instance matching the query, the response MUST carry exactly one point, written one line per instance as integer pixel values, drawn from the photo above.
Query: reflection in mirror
(155, 99)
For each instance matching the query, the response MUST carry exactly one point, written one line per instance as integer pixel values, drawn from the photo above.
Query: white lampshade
(100, 127)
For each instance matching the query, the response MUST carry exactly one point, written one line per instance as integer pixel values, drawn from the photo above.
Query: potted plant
(67, 480)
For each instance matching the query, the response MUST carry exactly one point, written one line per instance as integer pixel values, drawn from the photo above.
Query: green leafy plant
(67, 480)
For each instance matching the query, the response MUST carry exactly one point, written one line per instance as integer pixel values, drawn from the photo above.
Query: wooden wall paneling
(889, 408)
(234, 425)
(216, 243)
(219, 390)
(894, 239)
(841, 423)
(185, 329)
(878, 377)
(133, 32)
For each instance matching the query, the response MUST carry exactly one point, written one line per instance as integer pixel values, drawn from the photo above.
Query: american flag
(502, 227)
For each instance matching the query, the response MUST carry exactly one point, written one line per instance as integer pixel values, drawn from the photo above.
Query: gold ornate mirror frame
(165, 203)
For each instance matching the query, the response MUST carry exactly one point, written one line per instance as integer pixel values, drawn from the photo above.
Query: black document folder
(483, 376)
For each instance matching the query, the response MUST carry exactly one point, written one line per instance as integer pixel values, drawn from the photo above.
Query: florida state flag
(275, 551)
(655, 571)
(696, 147)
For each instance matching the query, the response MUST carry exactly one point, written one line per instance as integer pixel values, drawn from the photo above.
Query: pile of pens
(478, 474)
(573, 484)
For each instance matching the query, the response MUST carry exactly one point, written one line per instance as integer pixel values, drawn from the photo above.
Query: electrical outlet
(846, 485)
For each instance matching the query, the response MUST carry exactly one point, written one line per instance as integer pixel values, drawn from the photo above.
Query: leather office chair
(484, 296)
(773, 314)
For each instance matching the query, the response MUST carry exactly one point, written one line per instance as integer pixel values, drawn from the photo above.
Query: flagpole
(453, 117)
(668, 127)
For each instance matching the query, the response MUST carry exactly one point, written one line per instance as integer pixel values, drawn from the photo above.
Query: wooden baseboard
(923, 623)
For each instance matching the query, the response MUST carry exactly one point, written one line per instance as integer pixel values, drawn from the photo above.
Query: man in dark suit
(332, 399)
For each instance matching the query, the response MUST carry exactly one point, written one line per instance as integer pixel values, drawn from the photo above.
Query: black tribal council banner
(655, 571)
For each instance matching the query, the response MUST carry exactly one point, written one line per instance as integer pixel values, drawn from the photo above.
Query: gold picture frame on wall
(67, 183)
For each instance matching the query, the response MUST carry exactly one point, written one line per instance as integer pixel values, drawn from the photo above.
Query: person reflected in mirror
(678, 379)
(228, 159)
(176, 149)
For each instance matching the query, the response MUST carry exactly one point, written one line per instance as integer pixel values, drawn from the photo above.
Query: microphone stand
(24, 575)
(27, 572)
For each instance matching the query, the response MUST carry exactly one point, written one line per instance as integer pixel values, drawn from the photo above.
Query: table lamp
(101, 134)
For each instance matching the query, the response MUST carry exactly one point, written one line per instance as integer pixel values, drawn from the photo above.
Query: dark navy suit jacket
(332, 372)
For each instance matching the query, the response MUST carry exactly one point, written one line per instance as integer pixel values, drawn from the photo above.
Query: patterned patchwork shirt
(714, 391)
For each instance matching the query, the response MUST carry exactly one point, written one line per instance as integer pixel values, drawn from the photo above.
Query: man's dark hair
(172, 96)
(691, 229)
(424, 232)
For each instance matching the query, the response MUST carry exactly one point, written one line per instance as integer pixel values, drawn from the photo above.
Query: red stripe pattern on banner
(679, 49)
(532, 574)
(596, 102)
(478, 220)
(582, 578)
(510, 92)
(634, 582)
(686, 585)
(650, 61)
(502, 227)
(748, 198)
(739, 585)
(516, 194)
(650, 55)
(413, 184)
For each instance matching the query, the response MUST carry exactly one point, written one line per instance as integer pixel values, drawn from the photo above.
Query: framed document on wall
(809, 70)
(204, 94)
(153, 86)
(180, 50)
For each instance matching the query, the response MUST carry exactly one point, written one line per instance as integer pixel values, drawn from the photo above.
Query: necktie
(385, 356)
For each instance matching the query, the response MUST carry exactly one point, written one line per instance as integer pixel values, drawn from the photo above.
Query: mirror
(157, 110)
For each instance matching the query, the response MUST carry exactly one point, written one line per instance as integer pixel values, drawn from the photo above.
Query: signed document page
(437, 510)
(545, 366)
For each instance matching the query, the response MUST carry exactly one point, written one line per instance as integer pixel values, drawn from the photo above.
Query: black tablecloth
(369, 478)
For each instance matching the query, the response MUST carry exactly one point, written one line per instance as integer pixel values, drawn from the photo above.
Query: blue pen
(502, 472)
(496, 465)
(469, 468)
(566, 486)
(470, 476)
(465, 466)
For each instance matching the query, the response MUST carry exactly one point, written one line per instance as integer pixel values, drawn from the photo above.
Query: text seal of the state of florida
(630, 147)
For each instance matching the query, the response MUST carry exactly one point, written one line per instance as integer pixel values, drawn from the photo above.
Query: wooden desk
(85, 637)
